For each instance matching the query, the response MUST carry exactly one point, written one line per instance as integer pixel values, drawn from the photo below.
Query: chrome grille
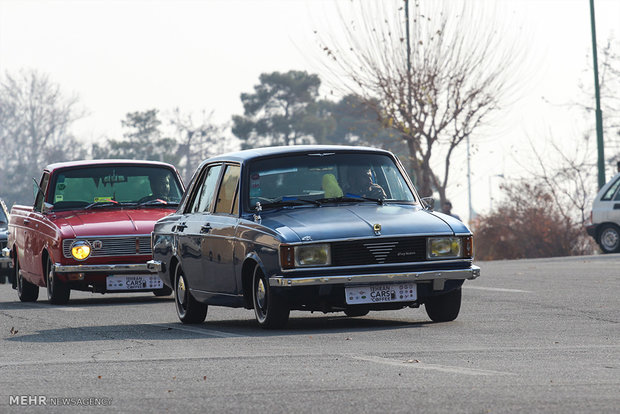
(378, 251)
(113, 246)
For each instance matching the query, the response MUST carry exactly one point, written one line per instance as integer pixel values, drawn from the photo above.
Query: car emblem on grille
(97, 244)
(380, 251)
(377, 229)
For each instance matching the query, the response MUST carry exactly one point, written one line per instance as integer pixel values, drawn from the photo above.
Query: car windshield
(114, 185)
(326, 178)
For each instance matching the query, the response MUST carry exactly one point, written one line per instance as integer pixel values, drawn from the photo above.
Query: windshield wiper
(157, 202)
(348, 197)
(289, 201)
(107, 203)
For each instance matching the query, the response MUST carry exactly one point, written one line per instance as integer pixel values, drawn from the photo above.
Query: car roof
(245, 155)
(84, 163)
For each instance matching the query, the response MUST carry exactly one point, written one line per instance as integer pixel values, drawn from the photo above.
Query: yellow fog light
(80, 250)
(444, 247)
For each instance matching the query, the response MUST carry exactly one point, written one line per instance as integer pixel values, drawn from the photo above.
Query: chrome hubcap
(50, 282)
(610, 239)
(181, 290)
(260, 294)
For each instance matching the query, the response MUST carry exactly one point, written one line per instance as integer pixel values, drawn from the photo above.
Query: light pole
(599, 113)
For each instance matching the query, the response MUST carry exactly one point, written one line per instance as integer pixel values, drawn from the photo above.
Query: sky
(124, 56)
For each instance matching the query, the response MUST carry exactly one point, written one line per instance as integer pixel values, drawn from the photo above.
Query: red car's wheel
(26, 291)
(57, 292)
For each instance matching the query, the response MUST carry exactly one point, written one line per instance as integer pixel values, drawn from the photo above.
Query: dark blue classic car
(318, 228)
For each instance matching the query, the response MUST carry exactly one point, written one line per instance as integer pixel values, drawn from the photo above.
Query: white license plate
(133, 282)
(399, 292)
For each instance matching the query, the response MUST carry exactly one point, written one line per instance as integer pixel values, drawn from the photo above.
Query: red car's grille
(113, 246)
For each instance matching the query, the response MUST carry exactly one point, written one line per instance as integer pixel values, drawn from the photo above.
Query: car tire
(26, 291)
(444, 308)
(57, 292)
(165, 291)
(355, 312)
(189, 310)
(270, 311)
(609, 238)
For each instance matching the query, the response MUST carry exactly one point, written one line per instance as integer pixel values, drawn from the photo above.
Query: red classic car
(90, 228)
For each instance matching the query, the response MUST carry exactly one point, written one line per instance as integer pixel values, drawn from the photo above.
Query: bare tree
(197, 141)
(455, 77)
(609, 73)
(35, 118)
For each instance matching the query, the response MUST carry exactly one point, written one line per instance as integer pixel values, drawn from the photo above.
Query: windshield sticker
(101, 199)
(114, 179)
(255, 190)
(58, 197)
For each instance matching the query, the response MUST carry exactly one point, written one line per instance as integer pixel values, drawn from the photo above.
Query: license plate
(400, 292)
(133, 282)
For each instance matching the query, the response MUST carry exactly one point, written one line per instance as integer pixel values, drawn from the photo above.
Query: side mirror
(47, 207)
(428, 203)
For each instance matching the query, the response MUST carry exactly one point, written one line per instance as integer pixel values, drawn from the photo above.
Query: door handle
(206, 228)
(26, 221)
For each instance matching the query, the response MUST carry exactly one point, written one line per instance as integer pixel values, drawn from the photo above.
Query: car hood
(110, 222)
(357, 221)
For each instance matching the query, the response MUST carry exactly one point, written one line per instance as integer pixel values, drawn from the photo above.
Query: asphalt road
(533, 336)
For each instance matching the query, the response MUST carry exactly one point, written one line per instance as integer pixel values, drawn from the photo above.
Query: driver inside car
(361, 183)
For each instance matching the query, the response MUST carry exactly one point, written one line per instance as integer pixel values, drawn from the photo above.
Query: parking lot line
(434, 367)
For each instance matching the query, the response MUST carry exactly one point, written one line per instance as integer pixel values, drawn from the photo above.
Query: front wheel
(609, 239)
(444, 308)
(270, 311)
(57, 292)
(26, 291)
(189, 310)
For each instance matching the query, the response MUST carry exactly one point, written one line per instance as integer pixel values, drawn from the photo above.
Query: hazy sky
(123, 56)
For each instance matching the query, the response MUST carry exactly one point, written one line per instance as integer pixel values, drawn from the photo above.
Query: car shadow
(229, 329)
(89, 302)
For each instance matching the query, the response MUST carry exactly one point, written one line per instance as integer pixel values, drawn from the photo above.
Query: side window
(38, 201)
(611, 191)
(228, 190)
(206, 191)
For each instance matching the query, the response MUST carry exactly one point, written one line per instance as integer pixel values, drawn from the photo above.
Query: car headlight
(444, 248)
(80, 249)
(305, 255)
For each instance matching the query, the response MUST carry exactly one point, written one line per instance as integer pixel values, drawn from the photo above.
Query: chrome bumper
(155, 266)
(106, 268)
(438, 277)
(5, 257)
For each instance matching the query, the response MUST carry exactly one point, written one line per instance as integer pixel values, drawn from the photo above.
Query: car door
(189, 230)
(609, 204)
(31, 245)
(219, 236)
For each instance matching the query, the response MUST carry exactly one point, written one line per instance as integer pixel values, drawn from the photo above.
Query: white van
(605, 217)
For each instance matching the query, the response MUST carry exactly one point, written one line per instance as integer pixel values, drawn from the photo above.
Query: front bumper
(438, 277)
(136, 268)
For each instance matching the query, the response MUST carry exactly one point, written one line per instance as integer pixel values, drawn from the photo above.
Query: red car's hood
(110, 222)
